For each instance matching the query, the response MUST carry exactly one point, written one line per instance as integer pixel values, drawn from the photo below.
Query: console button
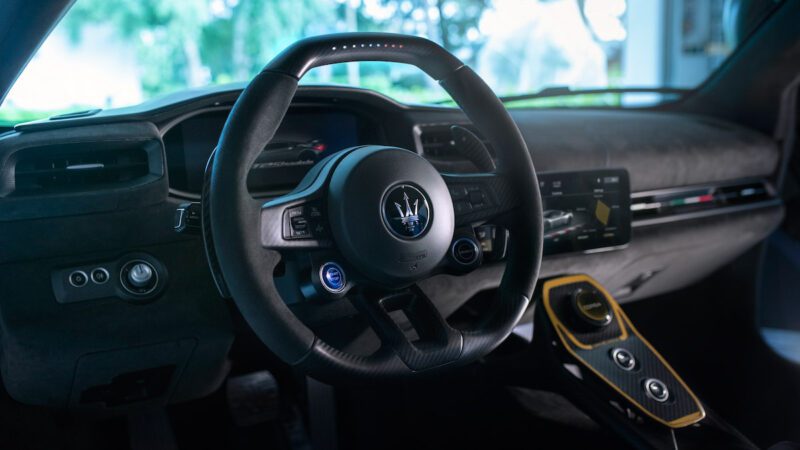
(458, 192)
(656, 389)
(592, 307)
(462, 207)
(319, 230)
(476, 197)
(623, 359)
(332, 277)
(465, 251)
(78, 278)
(305, 222)
(314, 211)
(299, 224)
(99, 275)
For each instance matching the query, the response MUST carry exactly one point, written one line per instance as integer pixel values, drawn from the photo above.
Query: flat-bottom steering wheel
(386, 213)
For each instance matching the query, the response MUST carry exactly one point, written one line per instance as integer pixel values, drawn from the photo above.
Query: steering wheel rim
(240, 226)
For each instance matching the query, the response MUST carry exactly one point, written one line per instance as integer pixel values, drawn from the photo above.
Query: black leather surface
(525, 255)
(245, 265)
(346, 47)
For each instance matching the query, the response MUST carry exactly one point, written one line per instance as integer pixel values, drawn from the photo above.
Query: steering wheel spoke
(480, 197)
(409, 324)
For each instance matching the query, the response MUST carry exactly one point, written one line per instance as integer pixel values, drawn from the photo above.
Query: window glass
(112, 53)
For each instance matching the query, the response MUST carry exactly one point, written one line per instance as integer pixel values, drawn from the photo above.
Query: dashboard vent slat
(49, 169)
(436, 141)
(699, 198)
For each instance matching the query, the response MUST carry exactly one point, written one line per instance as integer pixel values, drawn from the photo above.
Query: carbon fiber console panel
(619, 356)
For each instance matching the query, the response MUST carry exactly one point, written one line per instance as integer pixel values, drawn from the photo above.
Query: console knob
(623, 359)
(78, 278)
(465, 251)
(656, 389)
(592, 307)
(140, 275)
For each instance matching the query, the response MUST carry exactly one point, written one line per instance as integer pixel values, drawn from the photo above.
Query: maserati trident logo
(406, 211)
(409, 218)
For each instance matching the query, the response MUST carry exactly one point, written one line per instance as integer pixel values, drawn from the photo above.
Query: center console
(593, 329)
(597, 358)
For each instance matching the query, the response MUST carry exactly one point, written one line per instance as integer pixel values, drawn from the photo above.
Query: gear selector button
(623, 359)
(592, 307)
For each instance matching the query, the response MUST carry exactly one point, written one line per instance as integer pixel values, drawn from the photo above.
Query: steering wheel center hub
(391, 214)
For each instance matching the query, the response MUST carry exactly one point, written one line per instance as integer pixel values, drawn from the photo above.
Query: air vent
(436, 141)
(45, 170)
(651, 205)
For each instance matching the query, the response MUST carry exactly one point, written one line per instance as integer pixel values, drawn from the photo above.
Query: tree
(165, 34)
(182, 43)
(454, 24)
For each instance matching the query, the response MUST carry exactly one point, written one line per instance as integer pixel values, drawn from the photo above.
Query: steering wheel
(384, 220)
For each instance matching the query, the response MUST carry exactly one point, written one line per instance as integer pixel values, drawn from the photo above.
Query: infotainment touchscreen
(585, 210)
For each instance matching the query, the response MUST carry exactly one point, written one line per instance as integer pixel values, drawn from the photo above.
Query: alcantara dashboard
(667, 191)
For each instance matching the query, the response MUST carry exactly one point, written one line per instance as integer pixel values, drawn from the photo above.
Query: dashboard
(644, 201)
(584, 210)
(607, 177)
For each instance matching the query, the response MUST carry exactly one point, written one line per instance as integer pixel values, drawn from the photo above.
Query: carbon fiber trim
(438, 343)
(499, 195)
(682, 408)
(680, 403)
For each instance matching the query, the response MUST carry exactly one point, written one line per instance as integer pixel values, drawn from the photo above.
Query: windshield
(112, 53)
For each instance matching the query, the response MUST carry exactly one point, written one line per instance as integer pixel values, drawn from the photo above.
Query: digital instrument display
(585, 210)
(304, 137)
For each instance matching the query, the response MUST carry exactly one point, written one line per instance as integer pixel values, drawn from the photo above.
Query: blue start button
(332, 277)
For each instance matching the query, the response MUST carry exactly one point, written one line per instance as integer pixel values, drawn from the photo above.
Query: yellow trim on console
(625, 326)
(577, 279)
